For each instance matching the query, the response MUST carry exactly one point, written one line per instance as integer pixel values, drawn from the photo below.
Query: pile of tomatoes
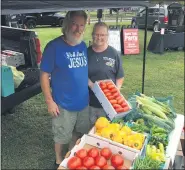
(113, 95)
(96, 159)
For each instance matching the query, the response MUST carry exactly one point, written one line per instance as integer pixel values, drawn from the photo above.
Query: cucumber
(159, 122)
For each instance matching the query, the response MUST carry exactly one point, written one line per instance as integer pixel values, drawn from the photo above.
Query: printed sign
(131, 41)
(114, 39)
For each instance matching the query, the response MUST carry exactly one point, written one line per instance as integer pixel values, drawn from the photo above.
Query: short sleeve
(119, 67)
(48, 58)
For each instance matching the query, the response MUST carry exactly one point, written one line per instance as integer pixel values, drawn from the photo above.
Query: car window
(143, 12)
(155, 11)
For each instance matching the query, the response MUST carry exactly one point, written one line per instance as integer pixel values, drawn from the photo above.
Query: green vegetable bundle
(147, 163)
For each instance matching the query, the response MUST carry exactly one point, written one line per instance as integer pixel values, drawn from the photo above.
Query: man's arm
(119, 83)
(45, 85)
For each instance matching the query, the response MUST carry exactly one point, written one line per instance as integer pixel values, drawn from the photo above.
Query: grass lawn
(27, 142)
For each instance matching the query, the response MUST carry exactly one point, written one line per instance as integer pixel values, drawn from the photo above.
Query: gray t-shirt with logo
(101, 66)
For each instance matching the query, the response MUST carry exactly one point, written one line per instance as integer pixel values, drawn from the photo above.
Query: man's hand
(53, 108)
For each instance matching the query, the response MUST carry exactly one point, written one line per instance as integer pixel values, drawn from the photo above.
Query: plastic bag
(18, 76)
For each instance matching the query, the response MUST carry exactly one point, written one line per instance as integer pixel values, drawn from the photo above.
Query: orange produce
(126, 109)
(119, 110)
(124, 104)
(120, 101)
(110, 97)
(116, 106)
(106, 90)
(109, 83)
(110, 86)
(113, 90)
(103, 87)
(119, 97)
(102, 84)
(108, 93)
(116, 94)
(113, 101)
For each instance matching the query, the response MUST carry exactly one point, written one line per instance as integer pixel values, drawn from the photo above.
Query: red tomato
(117, 160)
(81, 167)
(110, 86)
(119, 110)
(116, 106)
(108, 167)
(126, 109)
(102, 83)
(93, 152)
(122, 167)
(124, 104)
(94, 167)
(74, 162)
(109, 83)
(106, 90)
(114, 90)
(110, 97)
(120, 101)
(116, 94)
(103, 87)
(108, 93)
(119, 97)
(106, 153)
(113, 101)
(82, 153)
(88, 162)
(100, 161)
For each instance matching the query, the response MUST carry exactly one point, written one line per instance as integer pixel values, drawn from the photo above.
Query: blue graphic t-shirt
(69, 73)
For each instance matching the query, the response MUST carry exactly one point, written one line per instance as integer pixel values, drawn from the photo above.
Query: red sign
(131, 41)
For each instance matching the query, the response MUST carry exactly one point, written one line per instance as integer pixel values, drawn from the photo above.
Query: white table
(174, 139)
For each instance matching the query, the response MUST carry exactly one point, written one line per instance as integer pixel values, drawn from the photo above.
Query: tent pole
(144, 52)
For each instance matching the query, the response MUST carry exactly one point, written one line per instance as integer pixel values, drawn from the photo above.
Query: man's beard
(72, 39)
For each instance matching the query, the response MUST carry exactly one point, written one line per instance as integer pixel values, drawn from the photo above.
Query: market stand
(17, 7)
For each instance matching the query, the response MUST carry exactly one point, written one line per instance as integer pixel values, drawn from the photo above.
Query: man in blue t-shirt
(65, 60)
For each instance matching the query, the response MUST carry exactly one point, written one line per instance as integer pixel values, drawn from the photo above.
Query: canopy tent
(27, 6)
(34, 6)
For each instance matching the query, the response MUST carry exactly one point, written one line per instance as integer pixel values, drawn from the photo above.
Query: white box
(111, 113)
(140, 152)
(88, 142)
(14, 58)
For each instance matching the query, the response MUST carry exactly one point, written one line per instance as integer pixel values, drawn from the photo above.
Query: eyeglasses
(100, 35)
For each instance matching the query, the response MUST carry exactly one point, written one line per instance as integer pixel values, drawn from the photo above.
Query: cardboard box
(88, 142)
(110, 111)
(140, 152)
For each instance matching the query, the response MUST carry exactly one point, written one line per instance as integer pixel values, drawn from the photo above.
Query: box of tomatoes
(112, 101)
(93, 153)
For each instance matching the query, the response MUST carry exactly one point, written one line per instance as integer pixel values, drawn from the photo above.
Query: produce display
(113, 95)
(96, 159)
(119, 133)
(145, 128)
(156, 118)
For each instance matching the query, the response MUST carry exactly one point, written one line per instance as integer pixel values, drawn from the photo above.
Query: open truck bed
(23, 41)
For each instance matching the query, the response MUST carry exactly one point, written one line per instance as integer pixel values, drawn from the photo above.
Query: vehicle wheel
(31, 24)
(134, 25)
(156, 27)
(60, 22)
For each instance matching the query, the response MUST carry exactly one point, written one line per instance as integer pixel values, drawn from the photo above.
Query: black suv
(169, 17)
(47, 18)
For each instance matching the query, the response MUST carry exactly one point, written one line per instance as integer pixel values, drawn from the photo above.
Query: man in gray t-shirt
(104, 62)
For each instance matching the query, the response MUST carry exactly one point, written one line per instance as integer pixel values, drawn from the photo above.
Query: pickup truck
(26, 42)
